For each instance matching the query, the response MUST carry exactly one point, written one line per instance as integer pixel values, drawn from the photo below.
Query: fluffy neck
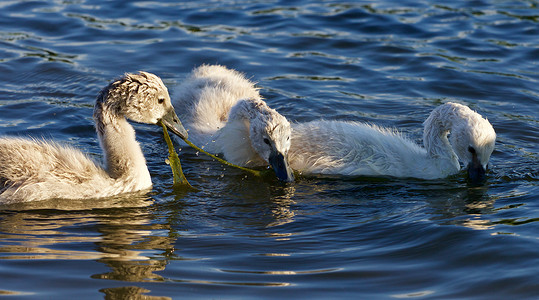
(235, 144)
(234, 138)
(436, 129)
(124, 160)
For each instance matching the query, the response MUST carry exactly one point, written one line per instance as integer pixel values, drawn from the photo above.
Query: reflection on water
(136, 241)
(127, 240)
(136, 271)
(129, 292)
(251, 202)
(477, 202)
(474, 207)
(464, 206)
(137, 199)
(139, 244)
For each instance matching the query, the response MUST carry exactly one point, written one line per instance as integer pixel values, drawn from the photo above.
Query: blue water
(385, 62)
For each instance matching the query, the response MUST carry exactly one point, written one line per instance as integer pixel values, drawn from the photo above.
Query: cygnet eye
(161, 100)
(266, 141)
(471, 149)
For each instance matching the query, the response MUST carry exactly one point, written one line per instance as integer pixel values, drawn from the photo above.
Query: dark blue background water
(386, 62)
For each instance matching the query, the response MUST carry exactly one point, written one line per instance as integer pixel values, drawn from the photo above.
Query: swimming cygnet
(33, 169)
(352, 148)
(224, 112)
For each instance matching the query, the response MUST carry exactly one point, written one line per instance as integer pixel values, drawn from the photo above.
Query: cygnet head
(270, 137)
(143, 98)
(472, 138)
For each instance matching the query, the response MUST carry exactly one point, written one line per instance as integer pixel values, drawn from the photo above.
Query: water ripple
(383, 62)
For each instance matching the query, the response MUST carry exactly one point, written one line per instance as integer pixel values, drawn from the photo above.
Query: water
(386, 62)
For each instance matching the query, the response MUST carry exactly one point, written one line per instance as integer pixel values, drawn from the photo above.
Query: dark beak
(173, 123)
(280, 165)
(476, 172)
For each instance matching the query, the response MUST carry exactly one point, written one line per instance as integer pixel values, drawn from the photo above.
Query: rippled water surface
(385, 62)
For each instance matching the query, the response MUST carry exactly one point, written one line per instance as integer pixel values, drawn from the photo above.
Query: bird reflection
(129, 240)
(264, 204)
(467, 206)
(135, 237)
(129, 292)
(280, 209)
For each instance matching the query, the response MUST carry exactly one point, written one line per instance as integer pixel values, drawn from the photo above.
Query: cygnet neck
(124, 159)
(436, 129)
(234, 138)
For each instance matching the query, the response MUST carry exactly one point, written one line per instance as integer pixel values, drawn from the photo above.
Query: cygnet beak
(476, 171)
(173, 123)
(280, 165)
